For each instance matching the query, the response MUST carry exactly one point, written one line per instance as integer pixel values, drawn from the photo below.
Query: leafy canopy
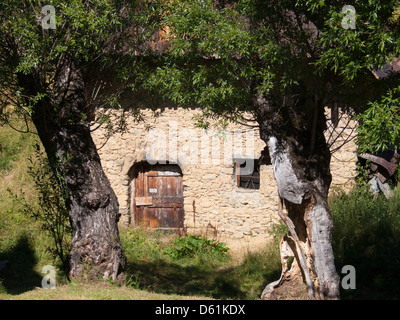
(99, 36)
(223, 53)
(379, 127)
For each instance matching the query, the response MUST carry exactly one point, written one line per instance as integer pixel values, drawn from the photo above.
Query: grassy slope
(366, 235)
(102, 291)
(21, 241)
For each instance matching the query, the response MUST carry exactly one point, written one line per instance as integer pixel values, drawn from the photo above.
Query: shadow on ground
(19, 275)
(169, 278)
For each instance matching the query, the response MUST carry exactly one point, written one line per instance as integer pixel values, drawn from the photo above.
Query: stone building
(219, 183)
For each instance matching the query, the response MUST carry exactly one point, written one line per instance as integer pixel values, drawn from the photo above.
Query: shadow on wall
(18, 274)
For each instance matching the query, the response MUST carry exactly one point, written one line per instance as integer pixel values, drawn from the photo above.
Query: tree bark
(96, 250)
(293, 132)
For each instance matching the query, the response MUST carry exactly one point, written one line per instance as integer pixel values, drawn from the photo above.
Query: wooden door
(158, 197)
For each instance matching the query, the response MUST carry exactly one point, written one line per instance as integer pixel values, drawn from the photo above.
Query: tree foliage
(379, 127)
(50, 210)
(103, 37)
(222, 52)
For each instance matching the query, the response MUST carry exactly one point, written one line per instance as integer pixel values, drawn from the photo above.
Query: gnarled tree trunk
(96, 250)
(300, 159)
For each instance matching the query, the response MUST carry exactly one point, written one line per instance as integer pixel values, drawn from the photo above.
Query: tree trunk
(94, 209)
(96, 250)
(301, 159)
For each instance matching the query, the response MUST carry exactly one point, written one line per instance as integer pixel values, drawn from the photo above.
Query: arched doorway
(157, 196)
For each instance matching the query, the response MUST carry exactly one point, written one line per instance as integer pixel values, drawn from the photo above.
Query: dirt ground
(238, 248)
(290, 290)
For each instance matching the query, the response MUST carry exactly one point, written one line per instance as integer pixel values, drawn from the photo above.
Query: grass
(22, 243)
(15, 148)
(366, 235)
(150, 270)
(99, 291)
(150, 267)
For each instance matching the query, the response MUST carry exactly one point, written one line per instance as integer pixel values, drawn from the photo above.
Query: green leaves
(257, 46)
(191, 245)
(51, 212)
(355, 52)
(199, 29)
(102, 36)
(208, 62)
(84, 28)
(379, 125)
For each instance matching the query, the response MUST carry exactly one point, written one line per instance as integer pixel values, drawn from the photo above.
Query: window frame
(238, 164)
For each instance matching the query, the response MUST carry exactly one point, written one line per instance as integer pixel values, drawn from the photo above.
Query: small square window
(247, 173)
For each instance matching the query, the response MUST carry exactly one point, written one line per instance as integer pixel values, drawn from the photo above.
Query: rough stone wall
(342, 145)
(213, 203)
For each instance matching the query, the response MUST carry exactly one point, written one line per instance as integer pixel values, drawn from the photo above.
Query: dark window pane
(249, 173)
